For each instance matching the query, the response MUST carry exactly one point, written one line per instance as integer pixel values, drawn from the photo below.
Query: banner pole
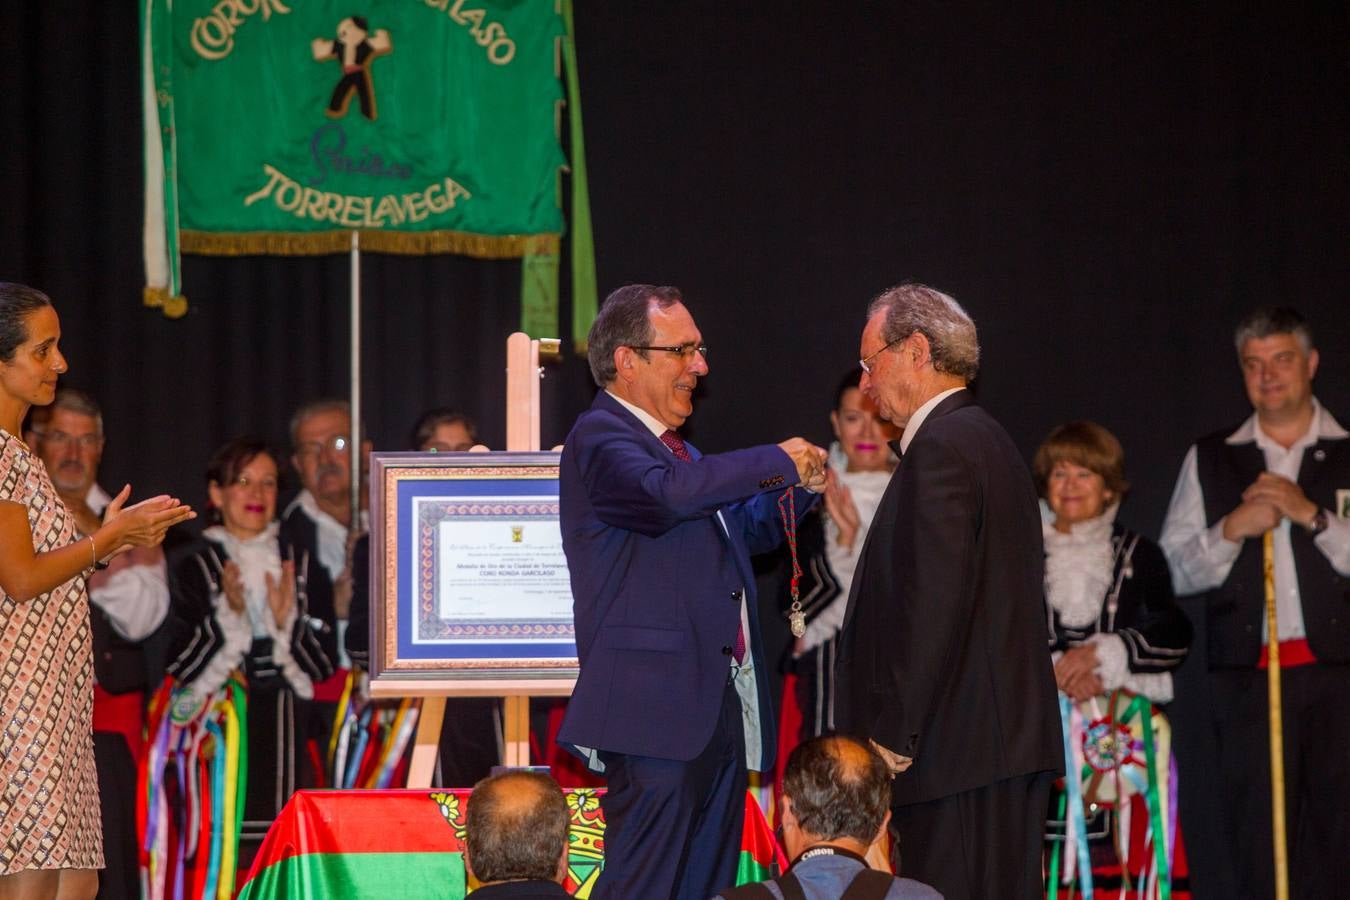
(1277, 823)
(354, 447)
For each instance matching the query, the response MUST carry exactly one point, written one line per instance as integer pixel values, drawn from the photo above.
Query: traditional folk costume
(281, 662)
(1109, 587)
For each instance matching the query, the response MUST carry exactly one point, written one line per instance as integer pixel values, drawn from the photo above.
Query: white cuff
(1113, 660)
(1219, 550)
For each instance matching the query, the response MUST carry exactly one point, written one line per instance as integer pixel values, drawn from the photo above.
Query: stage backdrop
(1107, 188)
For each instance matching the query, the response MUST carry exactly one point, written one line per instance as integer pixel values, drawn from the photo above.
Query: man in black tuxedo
(943, 660)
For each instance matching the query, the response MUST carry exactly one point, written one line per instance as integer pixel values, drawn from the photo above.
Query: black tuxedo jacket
(943, 650)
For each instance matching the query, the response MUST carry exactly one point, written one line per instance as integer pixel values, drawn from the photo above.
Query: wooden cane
(1277, 824)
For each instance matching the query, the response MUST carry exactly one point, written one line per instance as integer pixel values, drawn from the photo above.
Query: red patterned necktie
(672, 439)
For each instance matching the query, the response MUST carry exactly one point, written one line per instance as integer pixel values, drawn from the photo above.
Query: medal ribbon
(787, 509)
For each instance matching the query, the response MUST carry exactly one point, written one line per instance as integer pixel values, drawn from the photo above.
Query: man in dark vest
(1283, 470)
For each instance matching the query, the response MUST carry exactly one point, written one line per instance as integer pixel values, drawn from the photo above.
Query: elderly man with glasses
(942, 657)
(318, 523)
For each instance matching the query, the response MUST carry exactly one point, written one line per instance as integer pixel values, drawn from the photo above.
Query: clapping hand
(281, 593)
(232, 585)
(144, 524)
(841, 509)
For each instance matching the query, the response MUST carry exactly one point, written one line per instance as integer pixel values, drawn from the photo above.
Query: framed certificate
(469, 591)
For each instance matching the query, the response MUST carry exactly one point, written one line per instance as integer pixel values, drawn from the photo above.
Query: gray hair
(839, 787)
(1270, 320)
(625, 321)
(72, 400)
(952, 341)
(516, 827)
(314, 408)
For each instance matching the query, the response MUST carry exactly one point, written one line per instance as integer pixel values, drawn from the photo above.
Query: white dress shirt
(920, 414)
(1201, 558)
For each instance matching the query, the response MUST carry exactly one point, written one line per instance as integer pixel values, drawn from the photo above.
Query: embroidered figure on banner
(355, 48)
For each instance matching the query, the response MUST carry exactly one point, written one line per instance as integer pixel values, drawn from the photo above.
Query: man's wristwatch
(1317, 524)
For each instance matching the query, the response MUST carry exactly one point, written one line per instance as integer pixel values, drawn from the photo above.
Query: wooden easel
(523, 374)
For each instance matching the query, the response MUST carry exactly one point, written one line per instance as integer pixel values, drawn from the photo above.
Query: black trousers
(1317, 786)
(977, 844)
(359, 82)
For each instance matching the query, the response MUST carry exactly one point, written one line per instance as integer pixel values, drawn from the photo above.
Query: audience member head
(516, 825)
(645, 348)
(858, 426)
(30, 359)
(444, 430)
(68, 436)
(1275, 350)
(241, 481)
(1080, 471)
(917, 343)
(320, 435)
(836, 790)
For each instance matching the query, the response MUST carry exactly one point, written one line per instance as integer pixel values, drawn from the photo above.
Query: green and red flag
(369, 843)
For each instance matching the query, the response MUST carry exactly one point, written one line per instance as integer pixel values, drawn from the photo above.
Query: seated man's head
(69, 438)
(444, 430)
(517, 829)
(835, 791)
(320, 435)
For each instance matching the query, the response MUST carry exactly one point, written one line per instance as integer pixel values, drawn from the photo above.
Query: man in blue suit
(672, 702)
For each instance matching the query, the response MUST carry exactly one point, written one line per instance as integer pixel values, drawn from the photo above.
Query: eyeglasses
(337, 443)
(866, 361)
(61, 439)
(684, 351)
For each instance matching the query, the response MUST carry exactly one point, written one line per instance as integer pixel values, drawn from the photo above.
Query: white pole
(354, 447)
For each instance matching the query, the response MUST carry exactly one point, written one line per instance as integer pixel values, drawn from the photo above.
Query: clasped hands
(1266, 500)
(1076, 673)
(810, 461)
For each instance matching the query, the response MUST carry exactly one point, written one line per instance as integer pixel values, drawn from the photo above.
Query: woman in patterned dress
(50, 845)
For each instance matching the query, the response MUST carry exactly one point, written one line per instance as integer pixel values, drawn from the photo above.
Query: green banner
(281, 126)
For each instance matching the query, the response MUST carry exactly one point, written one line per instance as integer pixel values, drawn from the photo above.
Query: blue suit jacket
(656, 581)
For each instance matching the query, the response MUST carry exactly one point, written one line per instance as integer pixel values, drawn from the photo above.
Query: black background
(1106, 188)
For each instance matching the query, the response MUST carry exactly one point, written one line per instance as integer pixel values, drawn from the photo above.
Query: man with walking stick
(1282, 473)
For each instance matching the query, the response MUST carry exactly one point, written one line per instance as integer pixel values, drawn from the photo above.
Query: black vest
(1235, 610)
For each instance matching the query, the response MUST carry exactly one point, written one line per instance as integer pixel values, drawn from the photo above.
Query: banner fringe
(322, 243)
(173, 306)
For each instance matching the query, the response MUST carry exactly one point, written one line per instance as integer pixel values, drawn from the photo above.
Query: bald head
(516, 827)
(838, 788)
